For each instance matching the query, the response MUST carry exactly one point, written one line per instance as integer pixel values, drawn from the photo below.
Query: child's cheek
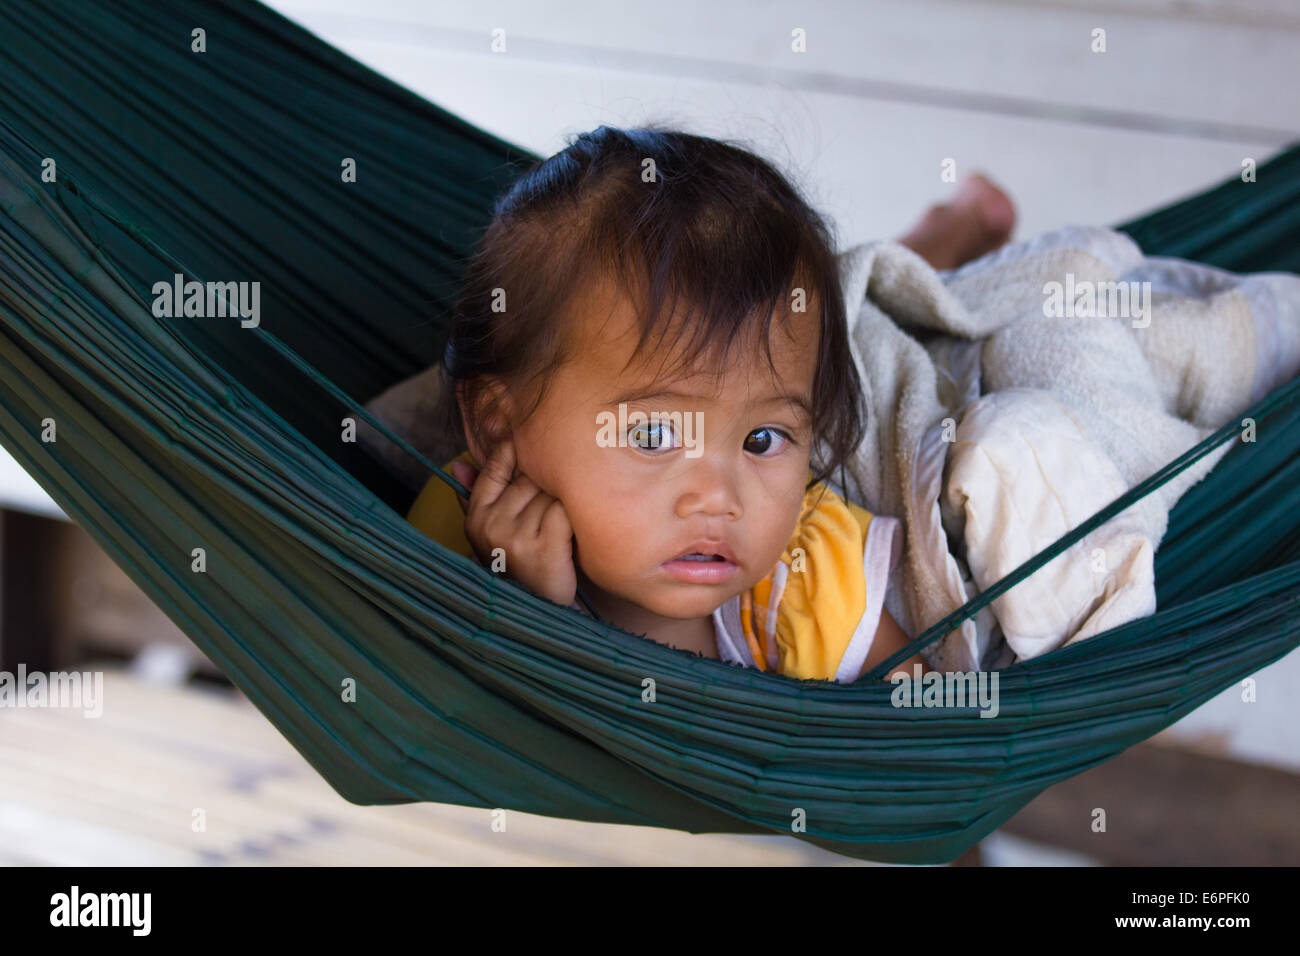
(602, 552)
(609, 521)
(614, 529)
(540, 461)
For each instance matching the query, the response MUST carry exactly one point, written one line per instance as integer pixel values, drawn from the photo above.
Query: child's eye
(762, 440)
(652, 436)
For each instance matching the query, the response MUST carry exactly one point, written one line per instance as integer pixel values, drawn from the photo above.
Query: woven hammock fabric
(183, 434)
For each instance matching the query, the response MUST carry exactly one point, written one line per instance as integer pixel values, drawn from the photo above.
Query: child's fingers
(555, 520)
(519, 494)
(534, 516)
(497, 473)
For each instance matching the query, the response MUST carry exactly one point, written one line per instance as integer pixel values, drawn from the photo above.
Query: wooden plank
(1273, 14)
(1161, 69)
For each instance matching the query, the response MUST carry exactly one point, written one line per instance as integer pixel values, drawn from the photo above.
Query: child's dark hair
(709, 223)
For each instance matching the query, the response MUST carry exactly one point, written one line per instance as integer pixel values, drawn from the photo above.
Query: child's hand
(531, 526)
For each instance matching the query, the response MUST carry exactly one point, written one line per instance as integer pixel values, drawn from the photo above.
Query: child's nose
(710, 488)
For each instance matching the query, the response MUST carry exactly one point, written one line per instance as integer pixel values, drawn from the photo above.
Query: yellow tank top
(813, 617)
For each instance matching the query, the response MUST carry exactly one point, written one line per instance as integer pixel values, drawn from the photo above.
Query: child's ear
(488, 424)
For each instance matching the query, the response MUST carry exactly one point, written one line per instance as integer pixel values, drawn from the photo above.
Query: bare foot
(979, 219)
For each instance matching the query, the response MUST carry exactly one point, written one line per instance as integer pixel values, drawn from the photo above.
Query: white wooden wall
(885, 91)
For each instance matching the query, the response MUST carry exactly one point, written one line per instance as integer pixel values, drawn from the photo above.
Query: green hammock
(177, 434)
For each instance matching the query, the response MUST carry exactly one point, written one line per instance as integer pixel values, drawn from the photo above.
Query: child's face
(637, 508)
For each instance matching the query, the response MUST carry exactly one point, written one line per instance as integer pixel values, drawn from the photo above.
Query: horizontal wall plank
(1196, 76)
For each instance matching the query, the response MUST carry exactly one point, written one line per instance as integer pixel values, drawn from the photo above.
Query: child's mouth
(698, 568)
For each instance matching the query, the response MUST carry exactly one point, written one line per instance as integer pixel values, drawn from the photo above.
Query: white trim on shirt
(880, 555)
(730, 634)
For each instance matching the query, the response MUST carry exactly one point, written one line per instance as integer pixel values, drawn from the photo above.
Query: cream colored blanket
(1017, 396)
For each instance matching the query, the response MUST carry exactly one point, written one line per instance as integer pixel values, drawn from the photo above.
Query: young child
(649, 359)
